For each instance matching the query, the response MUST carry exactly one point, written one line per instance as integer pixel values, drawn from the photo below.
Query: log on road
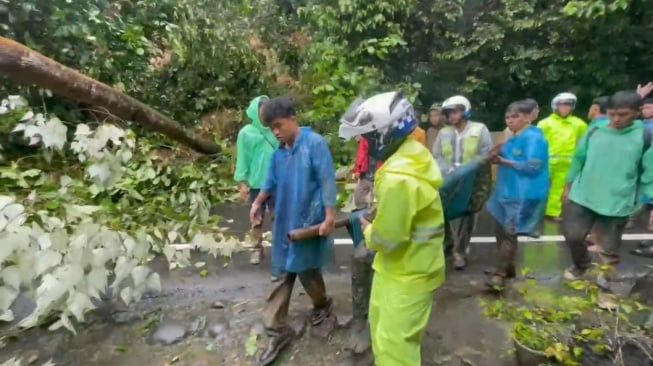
(24, 65)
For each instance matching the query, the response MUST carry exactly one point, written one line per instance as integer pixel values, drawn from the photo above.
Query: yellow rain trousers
(407, 235)
(563, 135)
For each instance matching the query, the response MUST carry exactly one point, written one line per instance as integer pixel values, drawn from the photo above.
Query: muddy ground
(215, 320)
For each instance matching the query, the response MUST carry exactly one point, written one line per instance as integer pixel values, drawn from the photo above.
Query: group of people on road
(557, 168)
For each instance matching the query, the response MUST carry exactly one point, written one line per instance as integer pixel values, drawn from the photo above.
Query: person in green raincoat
(563, 131)
(255, 146)
(407, 231)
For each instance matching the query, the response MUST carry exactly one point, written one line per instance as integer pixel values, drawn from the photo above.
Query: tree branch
(23, 65)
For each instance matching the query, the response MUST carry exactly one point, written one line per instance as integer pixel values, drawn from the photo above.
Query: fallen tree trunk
(23, 65)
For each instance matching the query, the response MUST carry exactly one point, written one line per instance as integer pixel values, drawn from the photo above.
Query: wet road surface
(217, 316)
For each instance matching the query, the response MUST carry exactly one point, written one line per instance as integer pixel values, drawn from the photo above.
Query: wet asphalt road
(546, 256)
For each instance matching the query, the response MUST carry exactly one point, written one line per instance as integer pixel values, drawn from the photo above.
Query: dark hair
(281, 107)
(515, 107)
(526, 106)
(602, 102)
(625, 99)
(647, 101)
(530, 104)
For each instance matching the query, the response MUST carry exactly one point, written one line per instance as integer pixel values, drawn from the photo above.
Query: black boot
(361, 286)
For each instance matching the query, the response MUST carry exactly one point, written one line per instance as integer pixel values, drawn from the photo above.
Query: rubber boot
(505, 269)
(361, 286)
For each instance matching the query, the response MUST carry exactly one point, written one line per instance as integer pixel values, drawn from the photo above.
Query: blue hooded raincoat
(303, 181)
(520, 194)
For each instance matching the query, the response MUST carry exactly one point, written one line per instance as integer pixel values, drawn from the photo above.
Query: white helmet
(564, 98)
(386, 114)
(458, 102)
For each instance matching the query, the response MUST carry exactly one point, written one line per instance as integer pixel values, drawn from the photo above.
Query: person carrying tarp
(407, 231)
(563, 131)
(521, 189)
(457, 144)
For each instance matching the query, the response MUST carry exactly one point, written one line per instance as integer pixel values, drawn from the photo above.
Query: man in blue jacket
(303, 181)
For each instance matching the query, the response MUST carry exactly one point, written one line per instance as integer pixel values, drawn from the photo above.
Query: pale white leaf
(32, 196)
(5, 200)
(59, 240)
(49, 363)
(139, 275)
(44, 241)
(19, 127)
(82, 130)
(172, 236)
(200, 264)
(126, 295)
(17, 101)
(45, 260)
(11, 276)
(12, 362)
(7, 316)
(63, 321)
(53, 134)
(27, 116)
(65, 181)
(123, 269)
(7, 297)
(96, 281)
(80, 211)
(78, 304)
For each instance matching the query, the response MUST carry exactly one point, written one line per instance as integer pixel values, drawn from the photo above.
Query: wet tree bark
(21, 64)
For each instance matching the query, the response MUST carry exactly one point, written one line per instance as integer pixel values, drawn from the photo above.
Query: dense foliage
(98, 197)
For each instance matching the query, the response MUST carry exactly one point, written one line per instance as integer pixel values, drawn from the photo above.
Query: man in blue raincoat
(518, 201)
(302, 180)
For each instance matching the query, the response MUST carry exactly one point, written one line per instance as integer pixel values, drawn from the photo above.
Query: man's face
(516, 121)
(285, 129)
(647, 111)
(454, 116)
(622, 117)
(435, 118)
(594, 112)
(564, 109)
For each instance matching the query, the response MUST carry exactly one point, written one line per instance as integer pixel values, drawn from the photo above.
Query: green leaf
(251, 346)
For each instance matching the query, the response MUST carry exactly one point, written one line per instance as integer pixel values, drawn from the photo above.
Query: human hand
(244, 192)
(364, 222)
(645, 90)
(327, 227)
(255, 217)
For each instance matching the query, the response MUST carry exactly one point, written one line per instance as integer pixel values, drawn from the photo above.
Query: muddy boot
(459, 262)
(277, 341)
(496, 282)
(361, 286)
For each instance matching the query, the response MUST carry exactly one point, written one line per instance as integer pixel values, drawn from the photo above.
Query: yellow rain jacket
(563, 135)
(407, 234)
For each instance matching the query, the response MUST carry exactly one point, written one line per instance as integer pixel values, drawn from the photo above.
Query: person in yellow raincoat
(563, 131)
(407, 231)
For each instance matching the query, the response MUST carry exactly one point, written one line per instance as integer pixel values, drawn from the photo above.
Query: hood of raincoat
(411, 160)
(255, 146)
(253, 115)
